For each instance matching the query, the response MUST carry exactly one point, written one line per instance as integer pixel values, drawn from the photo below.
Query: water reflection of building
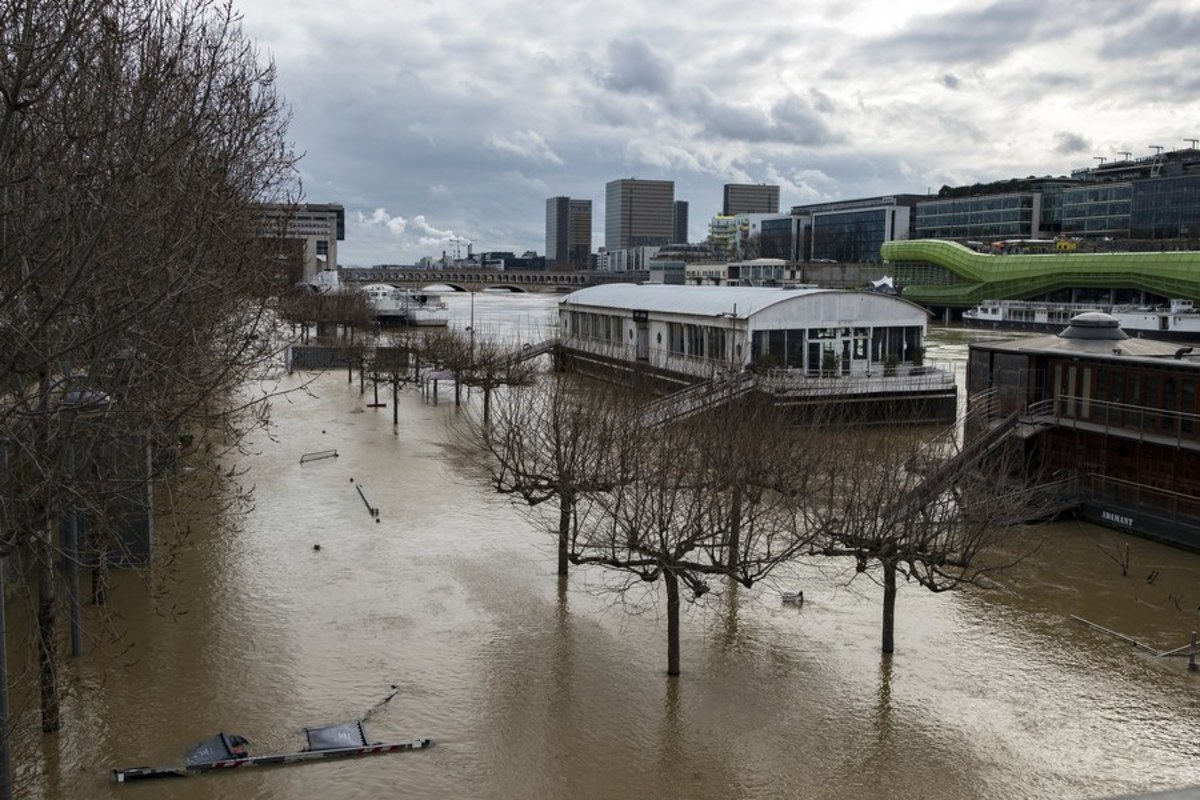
(1116, 416)
(805, 345)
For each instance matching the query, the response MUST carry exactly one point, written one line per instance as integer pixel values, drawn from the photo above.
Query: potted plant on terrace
(918, 360)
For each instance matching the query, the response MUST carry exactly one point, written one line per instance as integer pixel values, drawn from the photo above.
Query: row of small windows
(601, 327)
(960, 231)
(683, 339)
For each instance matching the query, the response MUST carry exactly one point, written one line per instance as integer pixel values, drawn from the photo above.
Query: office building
(854, 230)
(317, 226)
(780, 237)
(1166, 208)
(722, 235)
(681, 223)
(1097, 210)
(750, 198)
(638, 213)
(568, 233)
(1015, 215)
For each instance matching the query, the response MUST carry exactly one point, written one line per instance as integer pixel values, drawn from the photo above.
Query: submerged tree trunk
(47, 631)
(735, 529)
(43, 554)
(889, 605)
(100, 577)
(565, 506)
(672, 622)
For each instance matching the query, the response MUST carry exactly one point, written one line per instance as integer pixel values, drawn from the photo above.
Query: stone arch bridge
(469, 280)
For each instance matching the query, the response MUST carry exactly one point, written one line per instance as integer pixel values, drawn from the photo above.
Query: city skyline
(432, 124)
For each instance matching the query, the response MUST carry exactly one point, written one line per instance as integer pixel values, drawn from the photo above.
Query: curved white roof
(739, 301)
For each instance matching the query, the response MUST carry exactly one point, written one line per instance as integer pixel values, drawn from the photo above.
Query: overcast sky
(431, 121)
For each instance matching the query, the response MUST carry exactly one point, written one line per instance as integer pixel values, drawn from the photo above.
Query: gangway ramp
(697, 398)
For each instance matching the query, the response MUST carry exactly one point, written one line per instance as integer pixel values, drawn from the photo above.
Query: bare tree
(552, 442)
(350, 310)
(681, 507)
(136, 138)
(395, 362)
(484, 362)
(914, 503)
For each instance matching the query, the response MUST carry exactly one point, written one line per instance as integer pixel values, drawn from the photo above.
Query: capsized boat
(225, 751)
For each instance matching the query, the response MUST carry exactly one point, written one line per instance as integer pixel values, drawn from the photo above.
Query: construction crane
(1157, 148)
(458, 242)
(1125, 153)
(1193, 141)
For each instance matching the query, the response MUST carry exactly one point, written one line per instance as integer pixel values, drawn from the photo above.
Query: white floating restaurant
(802, 345)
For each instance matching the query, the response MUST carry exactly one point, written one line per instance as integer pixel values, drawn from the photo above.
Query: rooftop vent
(1094, 325)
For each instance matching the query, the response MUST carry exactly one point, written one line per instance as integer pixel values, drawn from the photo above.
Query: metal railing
(1166, 504)
(1143, 423)
(905, 378)
(876, 378)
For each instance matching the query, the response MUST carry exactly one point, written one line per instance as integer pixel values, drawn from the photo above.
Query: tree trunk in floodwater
(100, 580)
(565, 506)
(672, 622)
(735, 529)
(47, 631)
(487, 405)
(43, 553)
(889, 606)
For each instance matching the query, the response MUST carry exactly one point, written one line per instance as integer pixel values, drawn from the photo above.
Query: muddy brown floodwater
(532, 690)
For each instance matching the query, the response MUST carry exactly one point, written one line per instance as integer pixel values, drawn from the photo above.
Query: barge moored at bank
(807, 348)
(1114, 418)
(401, 306)
(1176, 320)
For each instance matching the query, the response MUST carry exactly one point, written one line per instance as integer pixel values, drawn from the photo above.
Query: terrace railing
(1127, 420)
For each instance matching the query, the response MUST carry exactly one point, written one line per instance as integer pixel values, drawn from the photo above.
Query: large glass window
(1008, 215)
(1101, 210)
(849, 236)
(1166, 208)
(695, 340)
(675, 338)
(715, 343)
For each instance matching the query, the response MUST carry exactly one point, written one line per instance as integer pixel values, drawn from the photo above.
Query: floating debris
(318, 455)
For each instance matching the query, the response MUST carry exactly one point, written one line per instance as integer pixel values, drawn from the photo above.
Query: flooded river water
(532, 689)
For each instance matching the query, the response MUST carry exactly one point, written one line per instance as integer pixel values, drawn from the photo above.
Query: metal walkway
(698, 398)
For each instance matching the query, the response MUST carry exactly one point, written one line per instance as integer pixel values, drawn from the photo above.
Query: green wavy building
(944, 275)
